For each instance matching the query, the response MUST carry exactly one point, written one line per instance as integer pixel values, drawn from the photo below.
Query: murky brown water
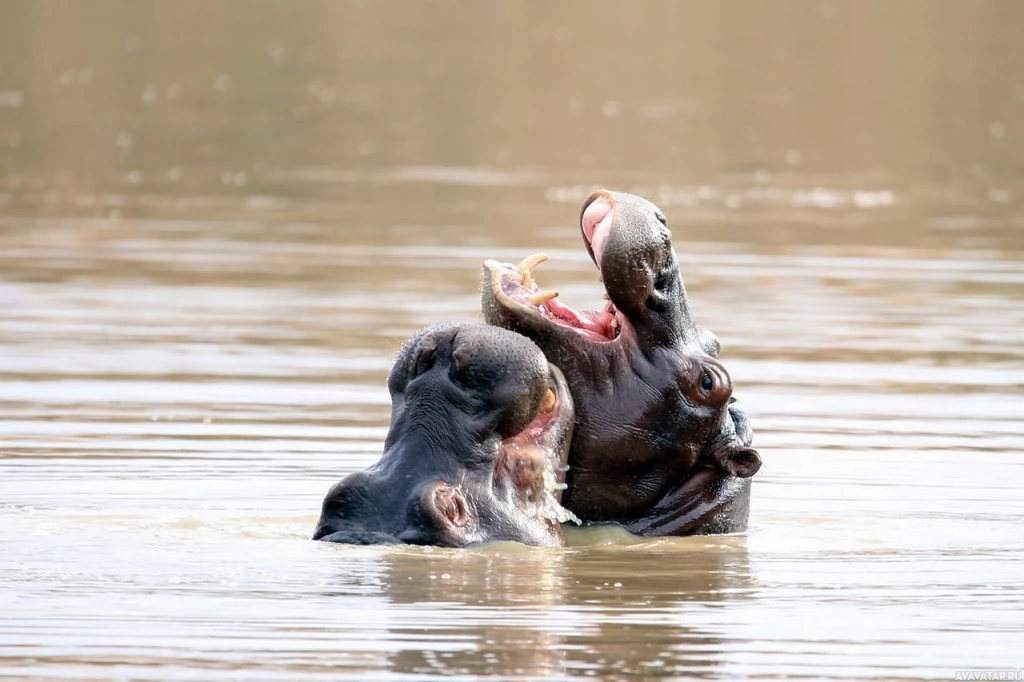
(218, 220)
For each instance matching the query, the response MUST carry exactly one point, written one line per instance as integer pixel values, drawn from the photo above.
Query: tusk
(527, 265)
(530, 262)
(542, 297)
(549, 401)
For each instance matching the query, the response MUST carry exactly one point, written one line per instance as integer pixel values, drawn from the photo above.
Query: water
(218, 221)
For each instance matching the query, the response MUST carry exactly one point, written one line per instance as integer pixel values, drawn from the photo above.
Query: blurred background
(219, 219)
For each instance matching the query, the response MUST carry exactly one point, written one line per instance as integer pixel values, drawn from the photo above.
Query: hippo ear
(739, 462)
(708, 342)
(415, 358)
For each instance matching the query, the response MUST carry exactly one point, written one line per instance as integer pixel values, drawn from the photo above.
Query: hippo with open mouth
(658, 447)
(476, 451)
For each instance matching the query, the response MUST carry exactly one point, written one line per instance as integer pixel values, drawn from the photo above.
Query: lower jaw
(709, 510)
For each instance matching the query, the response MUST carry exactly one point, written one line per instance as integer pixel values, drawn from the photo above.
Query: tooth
(549, 401)
(542, 297)
(614, 324)
(530, 262)
(527, 265)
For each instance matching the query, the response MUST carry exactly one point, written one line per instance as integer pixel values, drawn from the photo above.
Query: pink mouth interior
(534, 463)
(597, 224)
(592, 324)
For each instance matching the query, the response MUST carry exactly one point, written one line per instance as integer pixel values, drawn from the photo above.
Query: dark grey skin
(476, 451)
(658, 447)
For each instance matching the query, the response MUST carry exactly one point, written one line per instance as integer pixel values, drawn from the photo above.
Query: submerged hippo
(657, 447)
(480, 432)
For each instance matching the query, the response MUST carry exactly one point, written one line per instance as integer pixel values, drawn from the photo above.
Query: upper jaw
(511, 298)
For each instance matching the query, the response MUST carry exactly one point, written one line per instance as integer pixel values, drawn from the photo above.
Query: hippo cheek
(508, 489)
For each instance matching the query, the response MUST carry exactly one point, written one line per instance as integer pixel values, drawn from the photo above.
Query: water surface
(218, 222)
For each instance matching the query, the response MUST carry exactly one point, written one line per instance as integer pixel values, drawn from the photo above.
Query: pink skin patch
(597, 224)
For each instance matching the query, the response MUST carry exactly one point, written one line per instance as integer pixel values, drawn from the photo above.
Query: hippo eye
(707, 382)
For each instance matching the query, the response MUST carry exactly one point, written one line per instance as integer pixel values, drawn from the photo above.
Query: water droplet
(150, 93)
(999, 196)
(326, 95)
(11, 98)
(612, 109)
(222, 83)
(278, 53)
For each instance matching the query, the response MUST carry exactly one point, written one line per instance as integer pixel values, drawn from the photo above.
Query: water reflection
(598, 606)
(461, 590)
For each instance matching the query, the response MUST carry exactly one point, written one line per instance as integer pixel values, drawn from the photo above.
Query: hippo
(658, 446)
(476, 451)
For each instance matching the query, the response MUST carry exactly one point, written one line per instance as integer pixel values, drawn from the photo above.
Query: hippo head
(658, 446)
(476, 451)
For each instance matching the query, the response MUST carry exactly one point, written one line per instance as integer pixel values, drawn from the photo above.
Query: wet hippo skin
(658, 446)
(476, 450)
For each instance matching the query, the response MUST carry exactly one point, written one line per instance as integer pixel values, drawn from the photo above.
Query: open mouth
(533, 462)
(515, 289)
